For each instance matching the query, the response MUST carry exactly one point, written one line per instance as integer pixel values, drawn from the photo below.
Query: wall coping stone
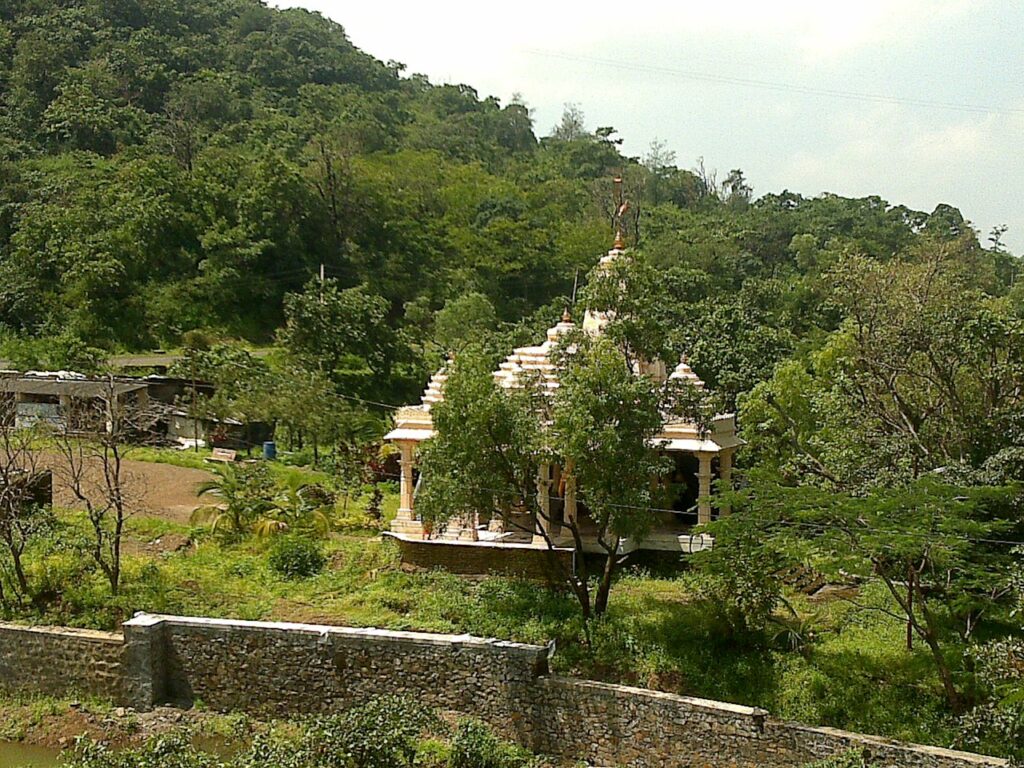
(355, 633)
(627, 691)
(93, 635)
(864, 739)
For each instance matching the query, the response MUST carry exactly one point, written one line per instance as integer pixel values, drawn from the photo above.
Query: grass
(282, 472)
(856, 674)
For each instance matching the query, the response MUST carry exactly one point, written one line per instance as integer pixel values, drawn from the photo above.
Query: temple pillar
(469, 522)
(544, 522)
(570, 499)
(704, 487)
(569, 508)
(497, 521)
(725, 473)
(405, 520)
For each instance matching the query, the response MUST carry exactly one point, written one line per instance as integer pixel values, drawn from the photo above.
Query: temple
(700, 456)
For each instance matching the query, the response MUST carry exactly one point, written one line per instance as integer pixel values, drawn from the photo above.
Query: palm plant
(304, 506)
(244, 500)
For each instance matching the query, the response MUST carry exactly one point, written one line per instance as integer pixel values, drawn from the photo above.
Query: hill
(174, 165)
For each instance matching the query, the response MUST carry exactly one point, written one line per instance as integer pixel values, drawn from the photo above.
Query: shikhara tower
(698, 454)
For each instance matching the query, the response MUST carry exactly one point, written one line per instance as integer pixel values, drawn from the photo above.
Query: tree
(926, 374)
(660, 163)
(492, 442)
(334, 330)
(935, 547)
(572, 125)
(736, 192)
(996, 724)
(604, 420)
(462, 320)
(92, 441)
(24, 516)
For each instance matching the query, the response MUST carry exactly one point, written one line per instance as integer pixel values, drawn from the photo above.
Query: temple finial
(567, 316)
(621, 206)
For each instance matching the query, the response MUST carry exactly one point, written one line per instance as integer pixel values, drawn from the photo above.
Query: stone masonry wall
(60, 661)
(623, 726)
(294, 669)
(298, 669)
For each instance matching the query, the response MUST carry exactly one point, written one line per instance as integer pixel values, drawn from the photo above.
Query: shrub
(173, 751)
(475, 746)
(380, 734)
(432, 753)
(295, 557)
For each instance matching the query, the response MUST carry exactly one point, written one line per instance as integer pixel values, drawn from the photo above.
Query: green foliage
(996, 724)
(924, 375)
(243, 500)
(604, 417)
(296, 557)
(741, 581)
(935, 546)
(487, 446)
(386, 732)
(382, 733)
(474, 745)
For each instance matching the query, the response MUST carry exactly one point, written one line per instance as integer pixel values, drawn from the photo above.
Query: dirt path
(165, 491)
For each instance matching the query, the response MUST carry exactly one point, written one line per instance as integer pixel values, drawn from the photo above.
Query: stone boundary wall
(639, 728)
(297, 669)
(60, 661)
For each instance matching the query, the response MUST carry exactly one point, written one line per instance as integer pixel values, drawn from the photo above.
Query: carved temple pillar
(405, 520)
(545, 524)
(704, 477)
(497, 521)
(725, 473)
(570, 499)
(468, 527)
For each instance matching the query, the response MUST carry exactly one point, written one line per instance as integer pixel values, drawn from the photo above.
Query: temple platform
(519, 553)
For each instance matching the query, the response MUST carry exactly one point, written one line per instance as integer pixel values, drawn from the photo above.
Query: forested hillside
(172, 165)
(178, 174)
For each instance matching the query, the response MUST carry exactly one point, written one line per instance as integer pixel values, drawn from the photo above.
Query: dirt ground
(158, 490)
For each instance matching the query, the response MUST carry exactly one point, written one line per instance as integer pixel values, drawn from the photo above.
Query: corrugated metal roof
(69, 387)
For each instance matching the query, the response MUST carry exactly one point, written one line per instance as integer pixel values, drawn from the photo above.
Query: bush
(295, 557)
(475, 746)
(383, 733)
(172, 751)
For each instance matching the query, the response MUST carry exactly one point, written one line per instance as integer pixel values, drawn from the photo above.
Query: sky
(918, 101)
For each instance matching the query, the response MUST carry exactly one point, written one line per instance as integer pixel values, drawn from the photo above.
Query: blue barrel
(270, 450)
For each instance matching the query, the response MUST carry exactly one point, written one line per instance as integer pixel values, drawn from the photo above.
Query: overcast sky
(919, 101)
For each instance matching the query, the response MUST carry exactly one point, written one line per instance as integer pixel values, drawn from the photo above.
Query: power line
(711, 77)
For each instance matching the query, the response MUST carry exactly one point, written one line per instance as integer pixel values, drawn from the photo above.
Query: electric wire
(711, 77)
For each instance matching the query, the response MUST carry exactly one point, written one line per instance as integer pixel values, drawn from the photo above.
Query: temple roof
(414, 423)
(535, 360)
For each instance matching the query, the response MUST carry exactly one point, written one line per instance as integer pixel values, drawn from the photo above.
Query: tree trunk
(930, 636)
(19, 571)
(605, 586)
(910, 607)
